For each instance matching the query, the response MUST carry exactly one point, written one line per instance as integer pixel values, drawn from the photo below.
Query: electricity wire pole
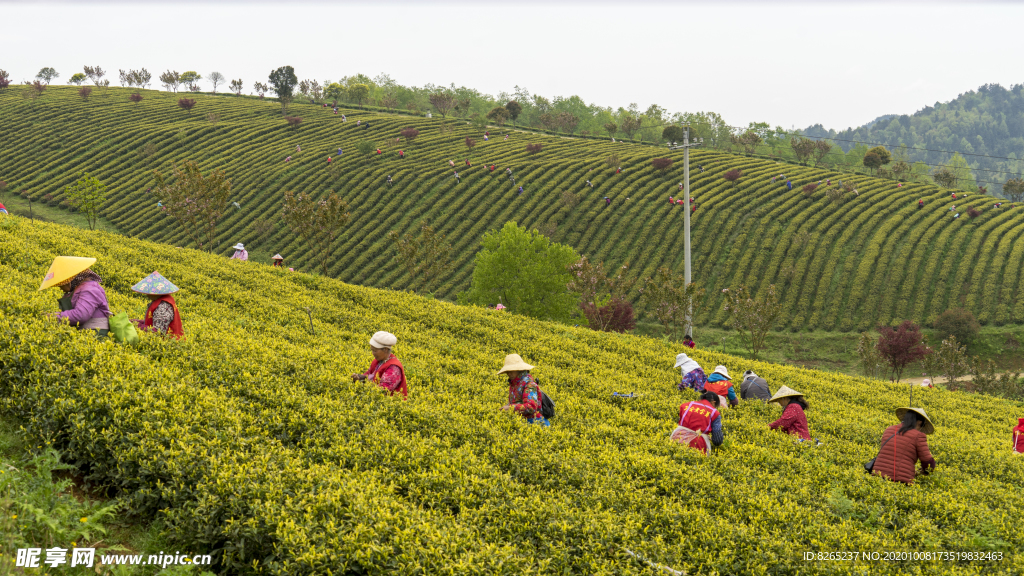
(686, 218)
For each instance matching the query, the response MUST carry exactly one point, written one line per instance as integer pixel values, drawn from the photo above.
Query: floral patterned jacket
(524, 396)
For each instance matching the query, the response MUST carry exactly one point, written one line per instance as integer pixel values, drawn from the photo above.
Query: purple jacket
(87, 301)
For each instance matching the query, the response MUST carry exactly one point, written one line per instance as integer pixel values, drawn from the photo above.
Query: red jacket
(899, 454)
(793, 421)
(174, 328)
(392, 361)
(1018, 436)
(698, 416)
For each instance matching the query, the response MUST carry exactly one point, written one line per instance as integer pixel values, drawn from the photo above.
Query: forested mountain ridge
(986, 126)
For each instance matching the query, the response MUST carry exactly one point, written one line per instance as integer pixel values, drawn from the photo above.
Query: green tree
(672, 133)
(877, 157)
(1014, 190)
(87, 195)
(514, 110)
(194, 201)
(871, 362)
(499, 115)
(46, 75)
(526, 272)
(283, 80)
(963, 178)
(671, 300)
(597, 291)
(77, 78)
(358, 93)
(318, 222)
(958, 323)
(191, 79)
(802, 148)
(752, 317)
(426, 256)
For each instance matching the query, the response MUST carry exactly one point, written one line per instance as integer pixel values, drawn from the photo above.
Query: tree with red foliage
(902, 346)
(84, 92)
(136, 97)
(293, 122)
(810, 188)
(733, 175)
(409, 134)
(973, 212)
(602, 298)
(661, 164)
(187, 104)
(533, 148)
(5, 79)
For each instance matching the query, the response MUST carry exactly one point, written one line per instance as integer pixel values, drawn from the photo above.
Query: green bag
(122, 329)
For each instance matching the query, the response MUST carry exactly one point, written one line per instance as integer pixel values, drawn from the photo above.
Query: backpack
(122, 330)
(547, 405)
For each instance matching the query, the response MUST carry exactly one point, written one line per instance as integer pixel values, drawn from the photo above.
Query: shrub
(84, 92)
(187, 104)
(973, 212)
(809, 189)
(662, 164)
(901, 346)
(293, 121)
(409, 134)
(733, 175)
(533, 148)
(959, 323)
(136, 97)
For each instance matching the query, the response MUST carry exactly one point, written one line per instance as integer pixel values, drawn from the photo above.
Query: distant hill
(843, 265)
(986, 122)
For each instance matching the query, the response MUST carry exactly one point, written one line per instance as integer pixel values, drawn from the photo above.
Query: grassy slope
(252, 437)
(874, 259)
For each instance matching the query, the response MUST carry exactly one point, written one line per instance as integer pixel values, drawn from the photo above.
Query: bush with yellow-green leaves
(253, 444)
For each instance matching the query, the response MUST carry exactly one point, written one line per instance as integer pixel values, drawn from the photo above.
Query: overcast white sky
(791, 64)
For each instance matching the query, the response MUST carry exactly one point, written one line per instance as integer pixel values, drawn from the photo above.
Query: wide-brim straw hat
(155, 284)
(239, 246)
(277, 257)
(514, 362)
(65, 268)
(383, 340)
(785, 392)
(928, 427)
(723, 371)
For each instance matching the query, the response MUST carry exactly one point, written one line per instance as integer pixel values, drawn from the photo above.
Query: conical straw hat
(514, 362)
(65, 268)
(928, 427)
(277, 257)
(155, 284)
(784, 392)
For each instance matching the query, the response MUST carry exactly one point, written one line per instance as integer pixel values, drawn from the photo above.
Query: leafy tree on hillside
(611, 128)
(630, 126)
(196, 202)
(1014, 190)
(260, 89)
(949, 361)
(84, 92)
(5, 79)
(672, 133)
(902, 346)
(672, 301)
(171, 80)
(135, 97)
(463, 106)
(426, 256)
(443, 103)
(123, 78)
(959, 323)
(602, 298)
(961, 170)
(389, 101)
(877, 157)
(871, 362)
(236, 86)
(821, 150)
(802, 148)
(77, 78)
(283, 81)
(752, 317)
(365, 147)
(96, 74)
(191, 79)
(216, 78)
(514, 110)
(733, 175)
(526, 272)
(359, 93)
(87, 195)
(661, 164)
(470, 143)
(499, 115)
(318, 222)
(944, 177)
(187, 104)
(47, 75)
(142, 77)
(409, 134)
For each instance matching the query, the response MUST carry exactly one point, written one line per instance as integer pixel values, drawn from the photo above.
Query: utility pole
(686, 218)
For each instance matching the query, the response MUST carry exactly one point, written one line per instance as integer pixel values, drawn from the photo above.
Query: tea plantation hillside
(253, 444)
(873, 259)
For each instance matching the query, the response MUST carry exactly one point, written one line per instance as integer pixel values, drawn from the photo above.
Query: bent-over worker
(902, 445)
(162, 314)
(700, 424)
(523, 391)
(386, 370)
(84, 304)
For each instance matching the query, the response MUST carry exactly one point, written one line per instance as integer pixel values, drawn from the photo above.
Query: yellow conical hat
(65, 268)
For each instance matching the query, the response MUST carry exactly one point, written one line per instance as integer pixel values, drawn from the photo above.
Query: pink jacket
(87, 301)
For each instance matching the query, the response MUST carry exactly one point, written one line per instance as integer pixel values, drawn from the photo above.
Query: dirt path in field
(938, 380)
